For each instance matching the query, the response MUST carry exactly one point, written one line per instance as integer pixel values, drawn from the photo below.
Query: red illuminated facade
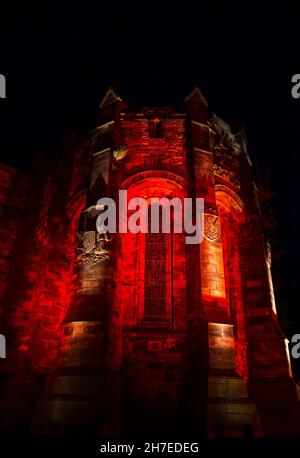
(135, 333)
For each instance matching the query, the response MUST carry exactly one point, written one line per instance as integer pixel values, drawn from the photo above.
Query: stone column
(215, 302)
(270, 383)
(230, 412)
(76, 398)
(229, 409)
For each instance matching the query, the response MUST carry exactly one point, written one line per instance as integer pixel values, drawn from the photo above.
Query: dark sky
(59, 61)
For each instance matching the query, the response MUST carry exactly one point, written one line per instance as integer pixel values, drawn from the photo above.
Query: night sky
(58, 63)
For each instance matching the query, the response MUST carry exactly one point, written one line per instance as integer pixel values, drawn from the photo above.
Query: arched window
(152, 265)
(155, 290)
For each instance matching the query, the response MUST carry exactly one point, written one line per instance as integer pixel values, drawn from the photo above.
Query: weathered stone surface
(128, 333)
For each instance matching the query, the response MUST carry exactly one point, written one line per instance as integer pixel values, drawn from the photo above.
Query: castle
(134, 333)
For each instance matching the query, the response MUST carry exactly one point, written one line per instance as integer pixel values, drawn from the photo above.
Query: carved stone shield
(211, 231)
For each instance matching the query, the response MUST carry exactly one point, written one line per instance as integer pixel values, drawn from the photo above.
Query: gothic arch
(227, 199)
(136, 247)
(156, 178)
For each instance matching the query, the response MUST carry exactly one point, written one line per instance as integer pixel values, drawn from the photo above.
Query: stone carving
(210, 210)
(223, 173)
(155, 276)
(93, 249)
(88, 241)
(226, 151)
(211, 231)
(120, 152)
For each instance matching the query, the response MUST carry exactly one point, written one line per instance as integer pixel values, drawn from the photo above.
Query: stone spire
(111, 104)
(197, 105)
